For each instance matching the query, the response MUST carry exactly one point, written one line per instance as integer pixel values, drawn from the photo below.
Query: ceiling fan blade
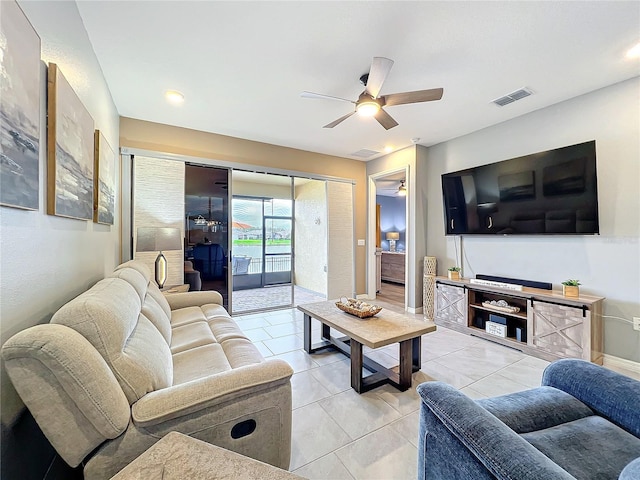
(327, 97)
(413, 97)
(380, 68)
(385, 119)
(340, 120)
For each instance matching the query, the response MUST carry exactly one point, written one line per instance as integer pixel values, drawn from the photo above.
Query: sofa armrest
(499, 449)
(187, 398)
(612, 395)
(68, 387)
(192, 299)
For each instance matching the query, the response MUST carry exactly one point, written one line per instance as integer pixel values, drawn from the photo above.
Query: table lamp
(392, 237)
(157, 239)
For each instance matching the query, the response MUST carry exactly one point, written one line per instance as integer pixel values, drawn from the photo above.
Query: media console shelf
(546, 324)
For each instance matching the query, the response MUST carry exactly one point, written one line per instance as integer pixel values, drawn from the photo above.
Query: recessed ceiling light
(388, 149)
(634, 52)
(173, 96)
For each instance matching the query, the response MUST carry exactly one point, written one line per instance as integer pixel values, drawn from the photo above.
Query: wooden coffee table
(385, 328)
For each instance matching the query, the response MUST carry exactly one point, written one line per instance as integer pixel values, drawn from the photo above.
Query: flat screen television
(553, 192)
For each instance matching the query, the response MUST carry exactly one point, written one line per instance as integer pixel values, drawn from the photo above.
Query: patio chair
(240, 265)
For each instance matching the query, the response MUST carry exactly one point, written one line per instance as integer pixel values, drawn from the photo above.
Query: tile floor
(271, 297)
(339, 434)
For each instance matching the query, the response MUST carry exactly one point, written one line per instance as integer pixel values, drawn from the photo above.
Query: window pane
(278, 207)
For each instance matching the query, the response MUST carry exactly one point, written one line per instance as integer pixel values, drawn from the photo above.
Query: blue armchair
(582, 423)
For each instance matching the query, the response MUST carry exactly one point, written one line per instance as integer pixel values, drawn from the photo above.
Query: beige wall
(181, 141)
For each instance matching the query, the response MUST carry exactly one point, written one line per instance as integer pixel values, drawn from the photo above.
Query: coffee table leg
(356, 366)
(406, 364)
(417, 353)
(326, 331)
(307, 333)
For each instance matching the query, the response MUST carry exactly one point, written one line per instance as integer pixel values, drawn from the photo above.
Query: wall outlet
(636, 323)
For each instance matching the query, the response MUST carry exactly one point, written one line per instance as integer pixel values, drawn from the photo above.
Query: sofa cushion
(536, 409)
(154, 292)
(108, 316)
(590, 447)
(191, 335)
(199, 362)
(212, 310)
(184, 316)
(224, 328)
(241, 352)
(209, 311)
(154, 312)
(135, 278)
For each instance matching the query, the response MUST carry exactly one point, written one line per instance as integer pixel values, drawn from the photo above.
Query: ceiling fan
(397, 187)
(369, 102)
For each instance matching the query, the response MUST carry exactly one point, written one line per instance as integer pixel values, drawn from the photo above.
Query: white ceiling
(242, 65)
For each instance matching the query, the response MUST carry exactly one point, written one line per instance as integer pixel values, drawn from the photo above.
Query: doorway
(391, 237)
(262, 239)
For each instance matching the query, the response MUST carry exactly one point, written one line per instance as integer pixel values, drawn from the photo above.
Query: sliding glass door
(262, 245)
(206, 228)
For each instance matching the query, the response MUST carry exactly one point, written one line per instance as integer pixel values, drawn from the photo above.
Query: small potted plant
(454, 273)
(571, 288)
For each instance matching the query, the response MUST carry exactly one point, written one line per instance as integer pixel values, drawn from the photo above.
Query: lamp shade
(154, 239)
(157, 239)
(393, 235)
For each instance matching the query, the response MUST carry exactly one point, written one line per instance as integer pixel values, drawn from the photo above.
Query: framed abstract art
(70, 145)
(19, 109)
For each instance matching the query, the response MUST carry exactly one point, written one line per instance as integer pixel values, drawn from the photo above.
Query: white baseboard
(414, 310)
(364, 296)
(611, 361)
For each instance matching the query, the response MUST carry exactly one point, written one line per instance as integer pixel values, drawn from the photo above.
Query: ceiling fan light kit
(367, 108)
(369, 103)
(402, 189)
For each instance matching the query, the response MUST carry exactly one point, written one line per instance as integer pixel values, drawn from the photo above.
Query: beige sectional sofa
(122, 365)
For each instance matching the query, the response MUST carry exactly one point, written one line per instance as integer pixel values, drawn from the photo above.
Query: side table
(175, 288)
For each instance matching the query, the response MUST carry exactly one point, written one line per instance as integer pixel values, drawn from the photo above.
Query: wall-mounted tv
(553, 192)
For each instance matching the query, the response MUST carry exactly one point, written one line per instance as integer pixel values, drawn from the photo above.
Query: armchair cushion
(578, 447)
(580, 424)
(466, 426)
(614, 396)
(536, 409)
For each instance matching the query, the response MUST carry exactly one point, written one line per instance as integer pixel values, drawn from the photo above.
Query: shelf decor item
(454, 273)
(357, 307)
(501, 306)
(429, 287)
(571, 288)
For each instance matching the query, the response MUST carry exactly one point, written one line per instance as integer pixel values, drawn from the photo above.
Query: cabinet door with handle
(451, 304)
(562, 330)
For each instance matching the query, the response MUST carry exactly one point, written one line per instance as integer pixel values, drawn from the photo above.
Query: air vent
(512, 97)
(364, 153)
